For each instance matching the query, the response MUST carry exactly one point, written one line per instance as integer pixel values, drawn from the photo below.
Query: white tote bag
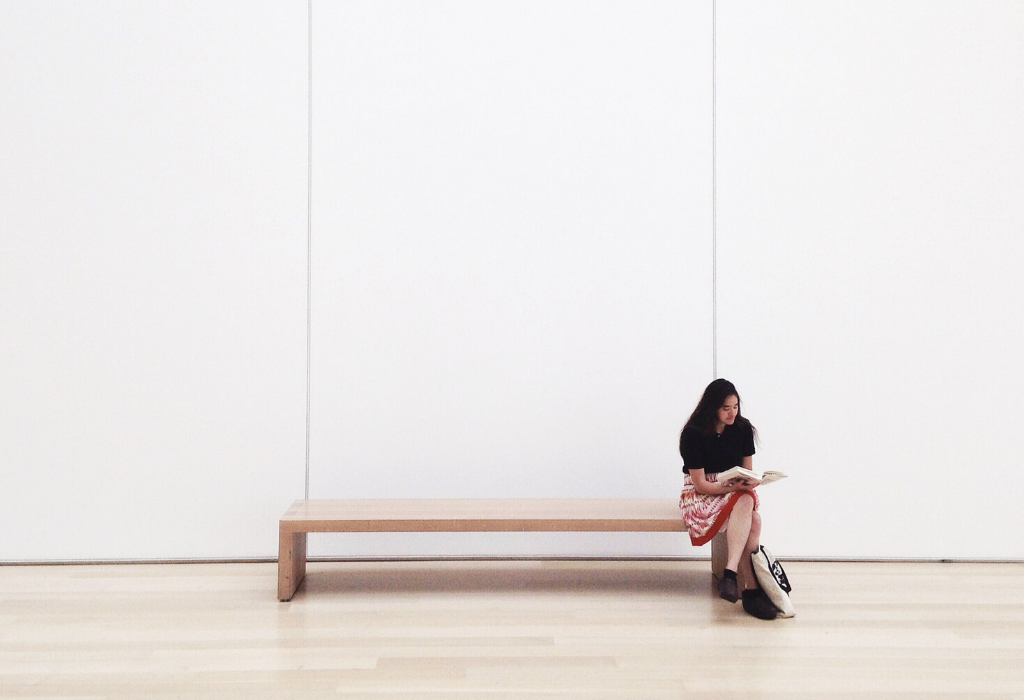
(773, 580)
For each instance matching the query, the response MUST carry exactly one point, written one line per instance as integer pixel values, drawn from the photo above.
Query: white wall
(152, 277)
(871, 216)
(511, 266)
(511, 272)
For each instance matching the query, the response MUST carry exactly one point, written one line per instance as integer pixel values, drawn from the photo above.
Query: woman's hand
(743, 486)
(736, 484)
(702, 485)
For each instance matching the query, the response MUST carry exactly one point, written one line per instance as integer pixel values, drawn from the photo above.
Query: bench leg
(291, 563)
(719, 555)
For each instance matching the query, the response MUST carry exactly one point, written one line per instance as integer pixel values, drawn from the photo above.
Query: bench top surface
(484, 514)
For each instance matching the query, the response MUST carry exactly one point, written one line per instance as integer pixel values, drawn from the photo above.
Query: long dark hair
(705, 416)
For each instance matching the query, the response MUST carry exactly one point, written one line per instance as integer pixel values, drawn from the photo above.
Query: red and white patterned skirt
(704, 515)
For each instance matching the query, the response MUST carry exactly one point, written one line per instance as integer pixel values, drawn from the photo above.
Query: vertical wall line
(309, 225)
(714, 189)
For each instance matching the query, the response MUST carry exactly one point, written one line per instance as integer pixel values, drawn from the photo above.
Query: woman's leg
(738, 532)
(755, 601)
(746, 571)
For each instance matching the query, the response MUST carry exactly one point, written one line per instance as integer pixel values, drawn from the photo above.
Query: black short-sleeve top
(716, 452)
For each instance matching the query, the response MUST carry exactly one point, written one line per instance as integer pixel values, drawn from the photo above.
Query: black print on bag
(779, 574)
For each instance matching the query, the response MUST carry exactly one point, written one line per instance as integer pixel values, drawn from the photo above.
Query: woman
(715, 438)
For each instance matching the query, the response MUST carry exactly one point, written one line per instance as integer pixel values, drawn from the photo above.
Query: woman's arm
(702, 485)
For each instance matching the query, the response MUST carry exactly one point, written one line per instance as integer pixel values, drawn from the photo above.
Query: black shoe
(757, 603)
(728, 590)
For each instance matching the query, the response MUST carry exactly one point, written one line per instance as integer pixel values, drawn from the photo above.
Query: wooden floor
(507, 630)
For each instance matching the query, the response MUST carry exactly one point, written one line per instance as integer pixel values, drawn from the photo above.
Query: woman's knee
(745, 502)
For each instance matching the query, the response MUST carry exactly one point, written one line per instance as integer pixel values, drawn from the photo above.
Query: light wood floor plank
(494, 630)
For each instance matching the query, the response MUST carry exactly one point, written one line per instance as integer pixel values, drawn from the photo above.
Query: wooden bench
(472, 515)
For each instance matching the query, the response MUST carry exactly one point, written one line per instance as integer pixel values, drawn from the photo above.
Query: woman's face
(727, 412)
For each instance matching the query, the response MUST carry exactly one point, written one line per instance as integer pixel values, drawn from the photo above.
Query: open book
(752, 478)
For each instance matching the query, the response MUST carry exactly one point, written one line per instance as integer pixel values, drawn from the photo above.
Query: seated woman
(716, 438)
